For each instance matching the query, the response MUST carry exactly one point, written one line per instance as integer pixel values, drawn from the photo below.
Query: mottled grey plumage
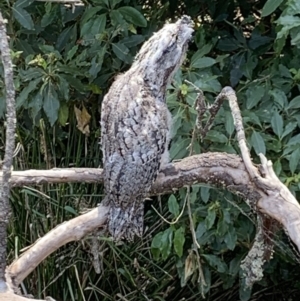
(136, 125)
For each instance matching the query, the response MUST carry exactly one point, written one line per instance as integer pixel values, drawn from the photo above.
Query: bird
(136, 127)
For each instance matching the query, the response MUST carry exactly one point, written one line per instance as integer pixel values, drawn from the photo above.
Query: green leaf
(23, 96)
(23, 17)
(74, 82)
(133, 15)
(132, 40)
(277, 124)
(200, 53)
(258, 143)
(72, 52)
(294, 103)
(203, 62)
(166, 243)
(216, 136)
(2, 106)
(230, 238)
(173, 205)
(23, 3)
(63, 114)
(70, 210)
(121, 51)
(270, 6)
(216, 262)
(254, 94)
(156, 241)
(179, 240)
(51, 103)
(205, 193)
(178, 148)
(289, 128)
(63, 38)
(99, 24)
(86, 28)
(210, 218)
(294, 160)
(35, 104)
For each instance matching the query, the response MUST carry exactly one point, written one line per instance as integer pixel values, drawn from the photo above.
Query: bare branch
(9, 146)
(73, 230)
(216, 168)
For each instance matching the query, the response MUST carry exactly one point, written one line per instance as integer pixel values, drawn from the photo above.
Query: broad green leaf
(173, 205)
(201, 229)
(277, 124)
(210, 218)
(2, 106)
(47, 19)
(254, 94)
(51, 103)
(72, 52)
(63, 86)
(35, 105)
(178, 148)
(32, 73)
(234, 265)
(205, 193)
(63, 38)
(121, 51)
(74, 82)
(132, 40)
(270, 6)
(114, 3)
(294, 160)
(89, 13)
(289, 128)
(99, 24)
(133, 15)
(70, 210)
(258, 143)
(216, 262)
(216, 136)
(86, 28)
(230, 238)
(179, 240)
(166, 243)
(23, 3)
(294, 103)
(228, 44)
(249, 66)
(200, 53)
(203, 62)
(23, 96)
(23, 17)
(156, 241)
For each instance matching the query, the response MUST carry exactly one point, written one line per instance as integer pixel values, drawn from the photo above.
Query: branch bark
(9, 148)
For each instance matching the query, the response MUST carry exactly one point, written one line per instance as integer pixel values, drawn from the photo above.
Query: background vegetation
(66, 59)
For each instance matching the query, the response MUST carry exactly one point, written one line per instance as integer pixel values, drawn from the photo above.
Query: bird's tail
(126, 223)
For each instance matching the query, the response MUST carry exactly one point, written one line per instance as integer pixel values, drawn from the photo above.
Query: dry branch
(219, 169)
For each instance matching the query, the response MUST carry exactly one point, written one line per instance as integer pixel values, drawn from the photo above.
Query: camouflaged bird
(136, 125)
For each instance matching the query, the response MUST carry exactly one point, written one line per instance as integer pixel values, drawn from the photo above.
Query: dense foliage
(65, 60)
